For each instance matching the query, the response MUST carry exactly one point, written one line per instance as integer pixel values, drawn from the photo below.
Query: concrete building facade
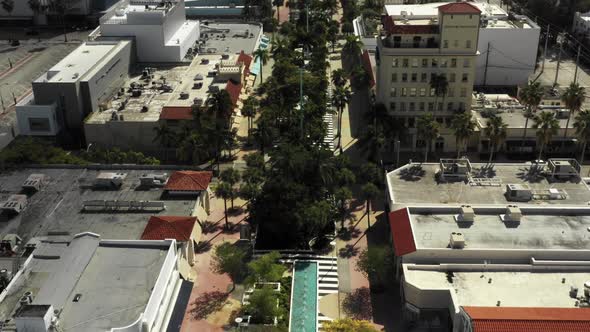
(413, 51)
(160, 29)
(76, 86)
(581, 26)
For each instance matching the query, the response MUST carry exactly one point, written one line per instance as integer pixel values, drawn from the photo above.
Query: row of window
(413, 77)
(426, 63)
(422, 106)
(413, 92)
(456, 43)
(411, 121)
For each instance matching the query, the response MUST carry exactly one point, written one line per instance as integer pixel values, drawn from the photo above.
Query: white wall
(513, 53)
(26, 110)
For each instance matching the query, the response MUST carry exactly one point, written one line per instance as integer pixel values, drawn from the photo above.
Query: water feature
(304, 297)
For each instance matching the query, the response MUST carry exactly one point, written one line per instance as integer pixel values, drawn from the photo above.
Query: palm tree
(165, 136)
(573, 97)
(339, 77)
(280, 47)
(333, 31)
(427, 130)
(38, 7)
(249, 110)
(463, 126)
(547, 126)
(353, 48)
(61, 7)
(582, 127)
(340, 99)
(530, 96)
(330, 6)
(278, 4)
(230, 176)
(370, 192)
(439, 83)
(220, 104)
(496, 131)
(224, 191)
(262, 55)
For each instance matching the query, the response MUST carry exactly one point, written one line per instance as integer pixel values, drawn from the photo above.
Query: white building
(512, 42)
(160, 28)
(73, 88)
(581, 25)
(89, 284)
(495, 241)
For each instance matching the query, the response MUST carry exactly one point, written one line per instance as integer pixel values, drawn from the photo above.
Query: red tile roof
(189, 181)
(169, 227)
(511, 319)
(401, 232)
(246, 60)
(176, 113)
(368, 67)
(234, 91)
(459, 8)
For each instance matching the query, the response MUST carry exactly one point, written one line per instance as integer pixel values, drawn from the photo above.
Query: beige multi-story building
(412, 51)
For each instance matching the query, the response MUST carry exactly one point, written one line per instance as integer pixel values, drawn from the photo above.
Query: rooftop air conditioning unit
(513, 213)
(467, 214)
(457, 240)
(587, 290)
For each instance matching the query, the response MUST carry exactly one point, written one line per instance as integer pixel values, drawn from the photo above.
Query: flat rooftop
(416, 184)
(113, 282)
(514, 118)
(57, 207)
(431, 9)
(512, 289)
(488, 231)
(82, 60)
(230, 38)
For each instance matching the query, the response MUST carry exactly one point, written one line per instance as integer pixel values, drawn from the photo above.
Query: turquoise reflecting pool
(304, 297)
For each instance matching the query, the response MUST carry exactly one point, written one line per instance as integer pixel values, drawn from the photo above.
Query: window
(461, 106)
(39, 124)
(394, 63)
(466, 63)
(422, 92)
(405, 63)
(414, 63)
(404, 77)
(411, 122)
(465, 77)
(393, 92)
(423, 77)
(432, 77)
(417, 41)
(394, 77)
(453, 63)
(448, 121)
(430, 106)
(444, 63)
(450, 92)
(392, 106)
(412, 106)
(432, 92)
(440, 106)
(450, 106)
(446, 44)
(414, 77)
(468, 44)
(463, 92)
(434, 63)
(424, 63)
(404, 92)
(421, 106)
(456, 43)
(413, 92)
(402, 107)
(452, 78)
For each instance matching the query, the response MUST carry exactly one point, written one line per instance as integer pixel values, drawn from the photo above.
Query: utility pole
(485, 72)
(301, 100)
(560, 42)
(545, 50)
(577, 64)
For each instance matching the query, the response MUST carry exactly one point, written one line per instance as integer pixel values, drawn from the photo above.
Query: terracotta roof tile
(512, 319)
(189, 181)
(246, 60)
(176, 113)
(459, 8)
(169, 227)
(234, 90)
(401, 232)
